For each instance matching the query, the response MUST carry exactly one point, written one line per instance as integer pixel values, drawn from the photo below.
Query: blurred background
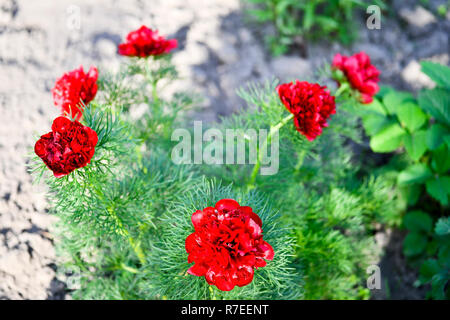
(222, 46)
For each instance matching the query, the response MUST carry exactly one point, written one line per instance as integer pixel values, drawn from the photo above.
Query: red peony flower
(310, 104)
(227, 245)
(73, 88)
(145, 42)
(360, 73)
(69, 146)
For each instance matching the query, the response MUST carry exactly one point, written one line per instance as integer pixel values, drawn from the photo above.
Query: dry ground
(218, 53)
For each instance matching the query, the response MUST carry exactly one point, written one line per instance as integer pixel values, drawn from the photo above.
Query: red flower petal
(226, 204)
(244, 276)
(197, 270)
(360, 73)
(69, 146)
(73, 89)
(267, 250)
(145, 42)
(310, 104)
(228, 243)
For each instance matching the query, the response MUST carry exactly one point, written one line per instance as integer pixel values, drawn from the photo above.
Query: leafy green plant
(397, 121)
(436, 269)
(313, 19)
(330, 207)
(422, 127)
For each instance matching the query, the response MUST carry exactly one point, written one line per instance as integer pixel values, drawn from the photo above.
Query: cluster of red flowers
(69, 146)
(310, 104)
(227, 245)
(60, 149)
(146, 42)
(360, 73)
(73, 88)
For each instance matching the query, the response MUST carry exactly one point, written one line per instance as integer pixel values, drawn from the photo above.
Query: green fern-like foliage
(167, 264)
(124, 218)
(322, 193)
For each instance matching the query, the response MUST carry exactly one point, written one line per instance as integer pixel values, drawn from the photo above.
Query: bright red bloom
(310, 104)
(145, 42)
(69, 146)
(73, 88)
(227, 245)
(360, 73)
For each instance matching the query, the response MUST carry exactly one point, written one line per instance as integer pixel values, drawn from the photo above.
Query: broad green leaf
(438, 286)
(376, 106)
(388, 139)
(437, 72)
(374, 123)
(444, 254)
(435, 136)
(394, 99)
(418, 221)
(384, 90)
(428, 269)
(416, 173)
(414, 244)
(439, 189)
(441, 159)
(447, 140)
(437, 103)
(415, 144)
(411, 193)
(411, 116)
(443, 226)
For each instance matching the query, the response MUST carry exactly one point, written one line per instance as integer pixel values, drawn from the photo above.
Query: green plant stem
(127, 268)
(342, 89)
(124, 232)
(151, 79)
(262, 149)
(155, 91)
(212, 293)
(301, 158)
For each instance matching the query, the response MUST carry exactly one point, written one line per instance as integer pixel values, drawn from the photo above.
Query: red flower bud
(360, 73)
(69, 146)
(310, 104)
(145, 42)
(227, 245)
(73, 88)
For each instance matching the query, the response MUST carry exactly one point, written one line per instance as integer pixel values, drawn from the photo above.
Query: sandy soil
(39, 40)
